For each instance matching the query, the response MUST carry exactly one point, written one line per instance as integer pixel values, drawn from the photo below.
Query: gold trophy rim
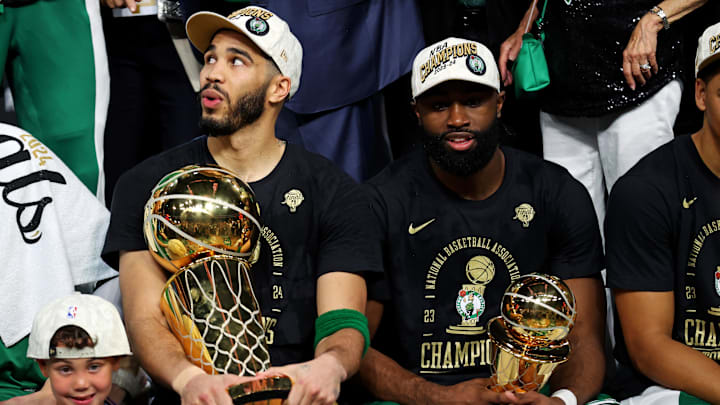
(501, 336)
(195, 262)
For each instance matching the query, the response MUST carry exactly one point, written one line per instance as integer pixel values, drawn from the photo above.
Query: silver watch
(660, 13)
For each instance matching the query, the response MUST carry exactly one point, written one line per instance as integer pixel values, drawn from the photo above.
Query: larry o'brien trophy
(202, 225)
(530, 336)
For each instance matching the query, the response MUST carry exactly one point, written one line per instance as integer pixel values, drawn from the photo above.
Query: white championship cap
(96, 316)
(268, 31)
(454, 59)
(708, 49)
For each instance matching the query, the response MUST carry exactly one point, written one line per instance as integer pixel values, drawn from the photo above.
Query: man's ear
(700, 90)
(279, 89)
(414, 106)
(500, 102)
(44, 367)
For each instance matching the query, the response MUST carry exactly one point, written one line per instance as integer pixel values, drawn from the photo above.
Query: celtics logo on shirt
(700, 328)
(257, 26)
(475, 64)
(470, 303)
(715, 311)
(454, 337)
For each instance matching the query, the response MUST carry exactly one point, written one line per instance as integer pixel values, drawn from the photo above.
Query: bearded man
(468, 215)
(314, 248)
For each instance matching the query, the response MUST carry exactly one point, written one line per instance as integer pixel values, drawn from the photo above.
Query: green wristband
(332, 321)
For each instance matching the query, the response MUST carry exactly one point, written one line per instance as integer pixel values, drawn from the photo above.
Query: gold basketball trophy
(530, 337)
(202, 225)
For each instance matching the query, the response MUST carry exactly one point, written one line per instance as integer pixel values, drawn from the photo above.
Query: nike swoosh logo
(687, 204)
(413, 230)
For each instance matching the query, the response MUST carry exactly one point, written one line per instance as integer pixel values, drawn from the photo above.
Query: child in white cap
(78, 341)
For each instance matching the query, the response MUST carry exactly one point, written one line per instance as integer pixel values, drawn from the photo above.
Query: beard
(463, 163)
(245, 111)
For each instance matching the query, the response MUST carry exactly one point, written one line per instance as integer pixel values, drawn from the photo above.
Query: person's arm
(160, 353)
(121, 4)
(647, 321)
(342, 291)
(42, 397)
(337, 357)
(642, 45)
(511, 47)
(583, 373)
(388, 381)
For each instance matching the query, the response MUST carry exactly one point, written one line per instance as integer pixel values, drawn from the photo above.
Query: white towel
(53, 230)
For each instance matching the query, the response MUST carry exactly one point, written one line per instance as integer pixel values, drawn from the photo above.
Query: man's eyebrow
(236, 51)
(241, 52)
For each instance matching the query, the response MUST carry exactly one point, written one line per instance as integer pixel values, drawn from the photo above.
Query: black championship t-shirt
(325, 232)
(448, 261)
(662, 233)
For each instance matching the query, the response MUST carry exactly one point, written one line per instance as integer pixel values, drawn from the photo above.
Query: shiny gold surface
(539, 309)
(195, 212)
(500, 335)
(529, 338)
(268, 391)
(203, 224)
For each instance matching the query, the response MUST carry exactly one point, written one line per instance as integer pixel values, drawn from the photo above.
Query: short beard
(463, 163)
(248, 109)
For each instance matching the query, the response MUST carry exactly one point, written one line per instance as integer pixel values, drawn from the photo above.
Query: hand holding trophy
(203, 225)
(530, 337)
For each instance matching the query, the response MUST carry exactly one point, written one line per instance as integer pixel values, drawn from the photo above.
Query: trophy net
(211, 308)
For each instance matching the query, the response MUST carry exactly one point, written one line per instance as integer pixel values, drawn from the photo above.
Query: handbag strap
(539, 21)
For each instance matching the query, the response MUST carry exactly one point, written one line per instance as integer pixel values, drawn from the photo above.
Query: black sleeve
(575, 241)
(346, 241)
(126, 216)
(378, 288)
(638, 237)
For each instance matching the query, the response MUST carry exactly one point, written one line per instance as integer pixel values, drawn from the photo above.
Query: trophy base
(521, 367)
(270, 391)
(465, 330)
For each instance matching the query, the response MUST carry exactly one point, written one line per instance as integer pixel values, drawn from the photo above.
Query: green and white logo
(257, 26)
(470, 304)
(475, 64)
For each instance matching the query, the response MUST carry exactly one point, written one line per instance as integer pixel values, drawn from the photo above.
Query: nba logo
(72, 311)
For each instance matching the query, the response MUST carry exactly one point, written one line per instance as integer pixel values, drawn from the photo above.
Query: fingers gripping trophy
(202, 224)
(530, 336)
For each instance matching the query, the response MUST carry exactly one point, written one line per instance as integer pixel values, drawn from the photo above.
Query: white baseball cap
(263, 27)
(96, 316)
(708, 49)
(454, 59)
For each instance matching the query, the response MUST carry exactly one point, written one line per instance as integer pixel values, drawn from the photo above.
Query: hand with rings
(639, 62)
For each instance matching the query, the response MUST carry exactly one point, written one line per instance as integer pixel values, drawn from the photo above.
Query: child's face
(80, 381)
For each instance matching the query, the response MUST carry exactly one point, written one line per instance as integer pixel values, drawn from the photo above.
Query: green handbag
(530, 70)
